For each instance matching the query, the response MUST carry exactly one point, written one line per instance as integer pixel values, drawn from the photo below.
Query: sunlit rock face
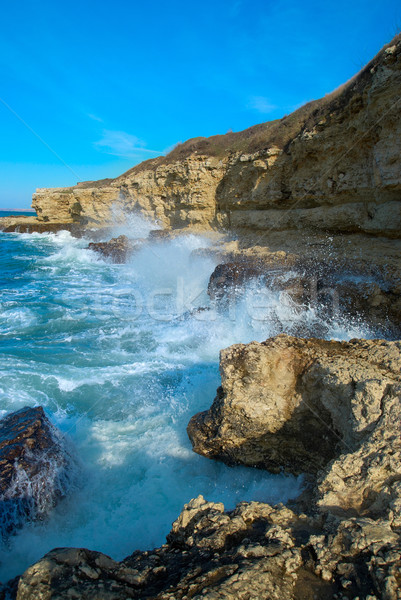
(36, 468)
(180, 194)
(333, 166)
(295, 404)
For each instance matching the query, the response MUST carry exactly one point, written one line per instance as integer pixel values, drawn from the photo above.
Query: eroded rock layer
(333, 165)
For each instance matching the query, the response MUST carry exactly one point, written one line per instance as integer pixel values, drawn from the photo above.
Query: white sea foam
(133, 225)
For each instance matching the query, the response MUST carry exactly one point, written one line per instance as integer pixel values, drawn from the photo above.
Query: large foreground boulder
(36, 468)
(295, 405)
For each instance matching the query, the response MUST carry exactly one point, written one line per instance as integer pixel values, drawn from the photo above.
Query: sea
(121, 357)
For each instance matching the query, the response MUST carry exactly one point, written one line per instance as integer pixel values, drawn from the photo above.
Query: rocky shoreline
(330, 409)
(313, 199)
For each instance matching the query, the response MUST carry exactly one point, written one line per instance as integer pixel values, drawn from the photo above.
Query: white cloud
(94, 117)
(261, 105)
(120, 143)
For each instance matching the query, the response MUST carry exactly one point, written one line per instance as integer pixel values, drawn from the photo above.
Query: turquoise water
(18, 213)
(120, 360)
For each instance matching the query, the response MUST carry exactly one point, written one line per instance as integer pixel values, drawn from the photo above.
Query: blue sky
(88, 89)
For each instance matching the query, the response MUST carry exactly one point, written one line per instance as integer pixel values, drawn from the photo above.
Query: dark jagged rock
(229, 278)
(118, 249)
(331, 288)
(36, 468)
(160, 235)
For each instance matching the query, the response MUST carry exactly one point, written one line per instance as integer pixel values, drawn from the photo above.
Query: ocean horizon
(8, 212)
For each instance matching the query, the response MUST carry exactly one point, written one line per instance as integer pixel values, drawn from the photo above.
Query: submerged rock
(36, 468)
(118, 249)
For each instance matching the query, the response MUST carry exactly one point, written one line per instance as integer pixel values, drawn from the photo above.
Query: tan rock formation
(255, 551)
(181, 194)
(333, 165)
(296, 404)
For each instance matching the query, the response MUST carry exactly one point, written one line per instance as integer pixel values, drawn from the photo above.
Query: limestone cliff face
(333, 165)
(341, 172)
(181, 194)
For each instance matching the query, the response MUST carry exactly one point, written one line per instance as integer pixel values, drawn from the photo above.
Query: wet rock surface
(118, 249)
(229, 278)
(37, 468)
(357, 291)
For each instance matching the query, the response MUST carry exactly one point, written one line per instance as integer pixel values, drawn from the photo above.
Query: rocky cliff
(328, 409)
(332, 165)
